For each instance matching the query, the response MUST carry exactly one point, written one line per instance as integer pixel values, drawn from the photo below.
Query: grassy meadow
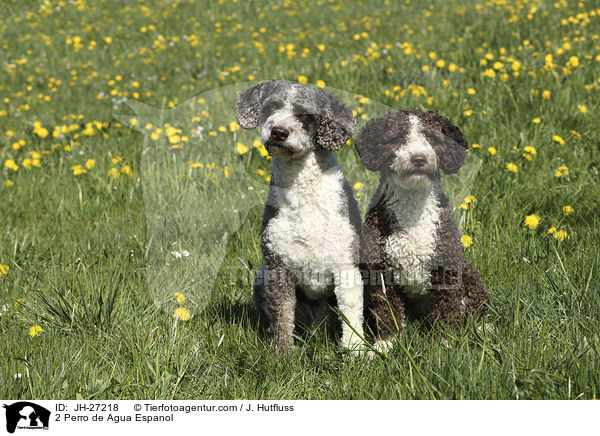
(131, 201)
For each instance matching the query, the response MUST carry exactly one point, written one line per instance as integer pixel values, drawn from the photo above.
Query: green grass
(89, 256)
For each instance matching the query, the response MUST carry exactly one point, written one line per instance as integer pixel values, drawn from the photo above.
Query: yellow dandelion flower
(90, 163)
(470, 199)
(260, 172)
(8, 182)
(563, 170)
(529, 152)
(241, 148)
(302, 79)
(78, 170)
(3, 269)
(512, 167)
(11, 164)
(573, 62)
(471, 91)
(466, 240)
(492, 151)
(532, 221)
(179, 297)
(475, 146)
(567, 210)
(126, 169)
(558, 139)
(582, 108)
(468, 113)
(113, 172)
(320, 84)
(561, 235)
(181, 313)
(35, 330)
(263, 151)
(463, 206)
(546, 94)
(551, 230)
(234, 126)
(489, 73)
(41, 132)
(358, 185)
(536, 120)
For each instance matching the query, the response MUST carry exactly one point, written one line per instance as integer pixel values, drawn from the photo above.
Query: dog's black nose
(279, 133)
(418, 160)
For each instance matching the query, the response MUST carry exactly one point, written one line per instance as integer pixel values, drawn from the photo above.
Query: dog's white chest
(411, 247)
(310, 232)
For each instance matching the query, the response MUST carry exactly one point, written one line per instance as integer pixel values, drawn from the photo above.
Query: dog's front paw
(384, 345)
(380, 348)
(354, 343)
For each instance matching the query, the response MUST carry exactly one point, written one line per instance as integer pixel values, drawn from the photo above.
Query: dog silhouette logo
(26, 415)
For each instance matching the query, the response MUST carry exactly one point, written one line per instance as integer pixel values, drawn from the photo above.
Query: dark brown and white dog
(310, 232)
(410, 238)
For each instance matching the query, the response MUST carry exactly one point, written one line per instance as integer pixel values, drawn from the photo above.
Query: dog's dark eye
(436, 139)
(394, 139)
(269, 107)
(307, 120)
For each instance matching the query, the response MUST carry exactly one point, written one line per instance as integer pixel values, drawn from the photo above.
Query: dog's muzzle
(275, 145)
(277, 148)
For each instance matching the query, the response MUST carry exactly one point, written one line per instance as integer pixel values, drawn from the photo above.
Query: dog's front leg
(385, 306)
(349, 295)
(447, 308)
(280, 293)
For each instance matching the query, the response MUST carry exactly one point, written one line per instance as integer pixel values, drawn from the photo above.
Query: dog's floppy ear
(371, 145)
(336, 122)
(452, 149)
(247, 106)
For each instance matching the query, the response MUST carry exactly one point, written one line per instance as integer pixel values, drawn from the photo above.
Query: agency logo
(26, 415)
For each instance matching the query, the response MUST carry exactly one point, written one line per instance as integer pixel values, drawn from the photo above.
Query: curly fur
(411, 247)
(311, 225)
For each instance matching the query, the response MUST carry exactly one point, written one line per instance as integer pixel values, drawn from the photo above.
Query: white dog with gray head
(310, 234)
